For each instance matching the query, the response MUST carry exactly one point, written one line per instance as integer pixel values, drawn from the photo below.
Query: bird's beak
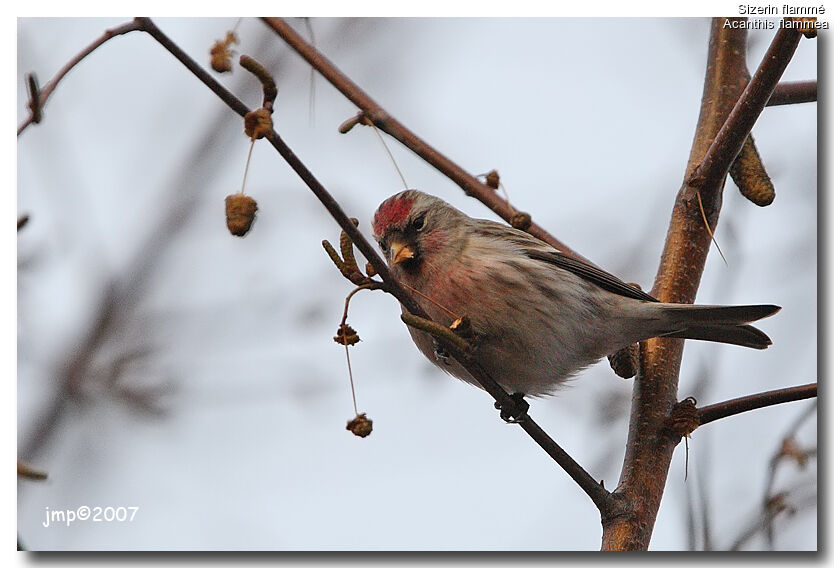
(400, 252)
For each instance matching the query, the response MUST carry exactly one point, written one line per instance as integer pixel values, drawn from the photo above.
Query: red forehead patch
(392, 213)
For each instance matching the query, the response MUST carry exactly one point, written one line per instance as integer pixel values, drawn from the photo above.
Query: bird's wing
(541, 251)
(590, 273)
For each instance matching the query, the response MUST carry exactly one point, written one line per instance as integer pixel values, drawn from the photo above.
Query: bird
(538, 315)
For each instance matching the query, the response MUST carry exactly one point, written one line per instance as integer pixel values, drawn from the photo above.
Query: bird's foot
(440, 353)
(517, 411)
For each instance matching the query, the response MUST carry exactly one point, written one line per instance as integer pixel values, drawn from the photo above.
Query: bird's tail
(724, 324)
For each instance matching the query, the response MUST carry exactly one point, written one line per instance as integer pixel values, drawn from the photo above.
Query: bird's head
(411, 225)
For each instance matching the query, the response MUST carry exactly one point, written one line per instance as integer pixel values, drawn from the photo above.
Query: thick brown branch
(384, 121)
(735, 406)
(47, 89)
(728, 112)
(648, 450)
(729, 140)
(604, 501)
(793, 92)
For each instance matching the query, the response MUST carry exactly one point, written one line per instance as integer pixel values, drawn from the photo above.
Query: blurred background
(166, 365)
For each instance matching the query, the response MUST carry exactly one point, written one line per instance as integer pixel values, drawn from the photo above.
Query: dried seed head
(258, 123)
(221, 55)
(346, 335)
(492, 179)
(240, 213)
(361, 426)
(521, 220)
(626, 361)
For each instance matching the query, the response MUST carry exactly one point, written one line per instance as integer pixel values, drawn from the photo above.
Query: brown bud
(370, 270)
(361, 426)
(240, 213)
(626, 361)
(257, 123)
(34, 97)
(492, 179)
(348, 125)
(346, 335)
(521, 220)
(696, 180)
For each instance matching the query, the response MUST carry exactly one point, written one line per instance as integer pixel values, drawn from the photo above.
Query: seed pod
(264, 76)
(240, 213)
(346, 245)
(346, 335)
(221, 55)
(361, 426)
(750, 177)
(257, 123)
(521, 220)
(348, 125)
(626, 361)
(492, 179)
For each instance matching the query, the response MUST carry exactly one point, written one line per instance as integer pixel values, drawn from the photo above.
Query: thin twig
(47, 89)
(777, 458)
(608, 505)
(735, 406)
(470, 184)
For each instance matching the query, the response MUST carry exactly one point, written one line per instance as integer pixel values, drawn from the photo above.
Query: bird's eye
(419, 223)
(383, 246)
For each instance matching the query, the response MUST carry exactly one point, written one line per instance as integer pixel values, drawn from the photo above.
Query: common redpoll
(538, 315)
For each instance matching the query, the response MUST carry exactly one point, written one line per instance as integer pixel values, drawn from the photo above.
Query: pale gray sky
(217, 401)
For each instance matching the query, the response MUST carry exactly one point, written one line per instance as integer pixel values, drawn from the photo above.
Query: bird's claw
(517, 411)
(440, 353)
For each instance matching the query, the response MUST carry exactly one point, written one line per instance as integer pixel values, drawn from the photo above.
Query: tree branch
(735, 406)
(726, 118)
(793, 92)
(604, 501)
(47, 89)
(729, 140)
(384, 121)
